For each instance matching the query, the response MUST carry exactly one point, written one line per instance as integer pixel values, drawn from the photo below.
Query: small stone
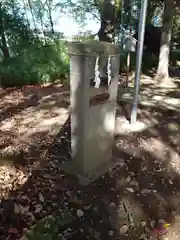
(123, 229)
(80, 213)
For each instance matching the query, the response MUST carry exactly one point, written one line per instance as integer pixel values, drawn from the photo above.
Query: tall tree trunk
(110, 17)
(4, 45)
(162, 75)
(49, 5)
(107, 21)
(51, 22)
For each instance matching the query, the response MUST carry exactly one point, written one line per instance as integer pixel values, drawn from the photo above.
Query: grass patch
(50, 228)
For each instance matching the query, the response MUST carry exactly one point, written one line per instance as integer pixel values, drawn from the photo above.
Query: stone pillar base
(85, 180)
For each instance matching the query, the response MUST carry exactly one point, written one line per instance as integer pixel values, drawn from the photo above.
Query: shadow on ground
(144, 187)
(30, 118)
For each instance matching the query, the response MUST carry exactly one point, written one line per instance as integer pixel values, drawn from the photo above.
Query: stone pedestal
(92, 111)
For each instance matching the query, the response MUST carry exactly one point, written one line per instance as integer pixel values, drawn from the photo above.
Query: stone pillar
(92, 125)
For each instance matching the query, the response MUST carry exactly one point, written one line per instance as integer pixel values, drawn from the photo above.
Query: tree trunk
(107, 21)
(162, 75)
(49, 4)
(4, 46)
(51, 23)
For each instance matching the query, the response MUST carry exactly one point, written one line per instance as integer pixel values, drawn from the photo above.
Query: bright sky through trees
(69, 27)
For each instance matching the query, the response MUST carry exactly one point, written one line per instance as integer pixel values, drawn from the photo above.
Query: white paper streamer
(97, 79)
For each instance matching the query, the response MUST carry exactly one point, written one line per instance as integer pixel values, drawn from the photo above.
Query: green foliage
(81, 10)
(84, 36)
(17, 32)
(25, 56)
(50, 228)
(37, 63)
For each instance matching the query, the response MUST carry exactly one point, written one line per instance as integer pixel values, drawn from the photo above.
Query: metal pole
(122, 23)
(130, 38)
(141, 30)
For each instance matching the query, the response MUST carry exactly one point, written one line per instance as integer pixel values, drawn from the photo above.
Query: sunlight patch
(172, 101)
(175, 161)
(11, 179)
(123, 126)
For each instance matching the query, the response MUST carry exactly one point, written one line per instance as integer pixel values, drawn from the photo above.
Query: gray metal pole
(122, 23)
(141, 30)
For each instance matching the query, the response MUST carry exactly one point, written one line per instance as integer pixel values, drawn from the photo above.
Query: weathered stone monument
(93, 108)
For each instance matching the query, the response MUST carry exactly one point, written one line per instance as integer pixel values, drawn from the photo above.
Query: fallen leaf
(170, 182)
(158, 169)
(87, 207)
(30, 215)
(123, 230)
(41, 197)
(128, 179)
(131, 190)
(144, 191)
(143, 236)
(38, 208)
(121, 165)
(24, 209)
(143, 223)
(152, 223)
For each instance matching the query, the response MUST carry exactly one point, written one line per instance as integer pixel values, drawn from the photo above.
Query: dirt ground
(126, 203)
